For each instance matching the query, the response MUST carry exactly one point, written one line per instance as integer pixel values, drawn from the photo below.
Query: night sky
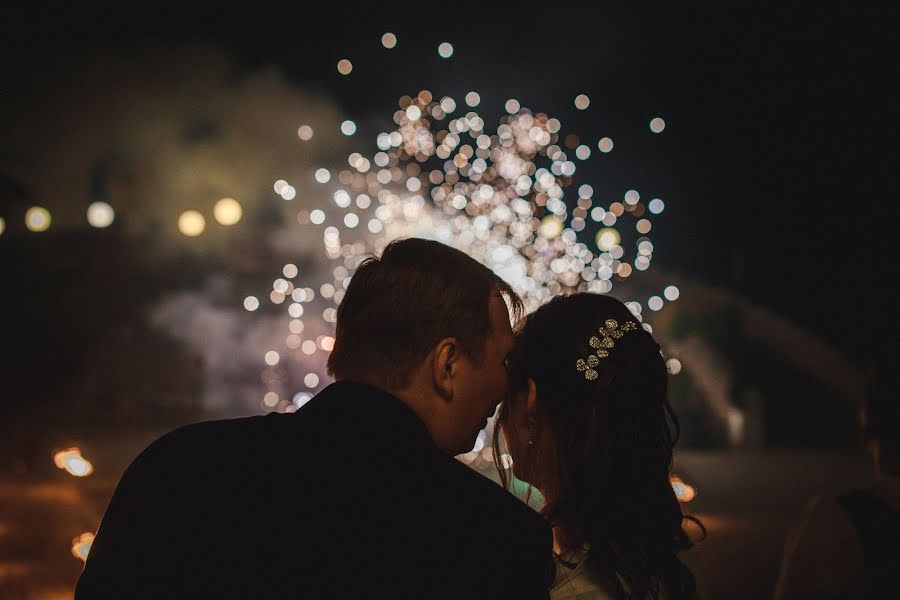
(778, 163)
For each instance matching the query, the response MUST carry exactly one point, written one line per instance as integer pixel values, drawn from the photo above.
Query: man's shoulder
(496, 507)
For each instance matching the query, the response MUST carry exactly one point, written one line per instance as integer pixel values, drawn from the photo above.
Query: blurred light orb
(228, 211)
(348, 127)
(317, 216)
(473, 99)
(308, 347)
(643, 226)
(657, 125)
(251, 303)
(305, 133)
(81, 546)
(551, 227)
(289, 192)
(655, 303)
(73, 463)
(311, 380)
(191, 223)
(344, 66)
(272, 358)
(100, 214)
(445, 50)
(413, 112)
(290, 270)
(37, 219)
(632, 197)
(327, 343)
(2, 225)
(323, 175)
(608, 238)
(388, 40)
(512, 106)
(605, 145)
(583, 152)
(656, 206)
(582, 101)
(671, 293)
(674, 366)
(270, 399)
(279, 186)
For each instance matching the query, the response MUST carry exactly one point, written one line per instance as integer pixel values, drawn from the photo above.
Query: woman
(587, 425)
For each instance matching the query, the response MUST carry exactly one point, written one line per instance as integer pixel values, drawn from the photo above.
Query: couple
(357, 494)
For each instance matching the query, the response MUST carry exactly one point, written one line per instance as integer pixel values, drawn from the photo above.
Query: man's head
(430, 325)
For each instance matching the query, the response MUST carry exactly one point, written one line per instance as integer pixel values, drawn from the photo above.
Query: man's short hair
(399, 306)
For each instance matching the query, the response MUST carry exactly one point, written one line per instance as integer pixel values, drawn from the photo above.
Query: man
(357, 494)
(848, 546)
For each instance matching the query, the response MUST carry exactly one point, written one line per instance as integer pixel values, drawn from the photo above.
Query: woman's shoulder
(574, 581)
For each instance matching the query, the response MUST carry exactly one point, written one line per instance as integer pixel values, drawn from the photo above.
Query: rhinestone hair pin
(602, 343)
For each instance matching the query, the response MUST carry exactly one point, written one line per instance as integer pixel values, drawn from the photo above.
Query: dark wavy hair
(605, 474)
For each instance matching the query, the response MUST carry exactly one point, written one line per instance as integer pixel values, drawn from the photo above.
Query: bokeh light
(191, 223)
(81, 546)
(445, 50)
(657, 125)
(73, 462)
(607, 238)
(671, 293)
(388, 40)
(673, 365)
(605, 145)
(582, 101)
(305, 133)
(228, 211)
(344, 66)
(348, 127)
(100, 214)
(37, 219)
(251, 303)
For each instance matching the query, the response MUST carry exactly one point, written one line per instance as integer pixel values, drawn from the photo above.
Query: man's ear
(444, 365)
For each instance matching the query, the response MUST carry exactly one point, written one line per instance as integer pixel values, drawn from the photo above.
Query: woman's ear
(443, 366)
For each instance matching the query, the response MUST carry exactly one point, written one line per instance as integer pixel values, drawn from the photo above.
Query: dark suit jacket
(346, 498)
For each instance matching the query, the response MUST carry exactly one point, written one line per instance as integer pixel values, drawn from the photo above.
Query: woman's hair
(605, 476)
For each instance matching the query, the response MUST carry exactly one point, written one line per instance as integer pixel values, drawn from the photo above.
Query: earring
(531, 434)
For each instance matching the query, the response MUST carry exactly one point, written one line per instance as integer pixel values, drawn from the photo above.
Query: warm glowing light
(673, 365)
(551, 227)
(272, 358)
(582, 101)
(37, 219)
(323, 175)
(388, 40)
(657, 125)
(608, 238)
(2, 225)
(290, 270)
(683, 491)
(305, 133)
(228, 211)
(100, 214)
(344, 66)
(81, 546)
(191, 223)
(73, 463)
(605, 145)
(311, 380)
(473, 99)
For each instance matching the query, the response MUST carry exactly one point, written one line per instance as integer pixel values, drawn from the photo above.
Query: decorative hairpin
(603, 343)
